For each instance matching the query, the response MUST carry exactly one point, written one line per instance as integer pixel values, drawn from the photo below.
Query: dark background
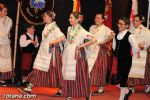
(63, 8)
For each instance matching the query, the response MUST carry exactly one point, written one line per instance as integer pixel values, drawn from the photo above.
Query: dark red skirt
(113, 76)
(99, 71)
(26, 61)
(80, 86)
(52, 78)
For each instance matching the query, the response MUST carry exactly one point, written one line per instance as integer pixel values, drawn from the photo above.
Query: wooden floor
(43, 93)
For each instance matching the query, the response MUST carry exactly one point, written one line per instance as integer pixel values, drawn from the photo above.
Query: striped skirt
(6, 62)
(146, 80)
(80, 86)
(7, 75)
(52, 78)
(99, 71)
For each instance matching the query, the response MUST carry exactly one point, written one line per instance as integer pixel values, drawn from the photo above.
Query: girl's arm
(58, 40)
(90, 42)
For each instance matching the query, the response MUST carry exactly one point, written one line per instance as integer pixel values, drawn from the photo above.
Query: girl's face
(47, 19)
(121, 25)
(98, 19)
(72, 20)
(136, 22)
(3, 12)
(31, 30)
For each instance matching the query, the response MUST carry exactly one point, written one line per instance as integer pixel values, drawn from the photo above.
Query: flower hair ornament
(53, 15)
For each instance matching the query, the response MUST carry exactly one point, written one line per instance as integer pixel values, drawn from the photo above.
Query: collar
(29, 35)
(122, 34)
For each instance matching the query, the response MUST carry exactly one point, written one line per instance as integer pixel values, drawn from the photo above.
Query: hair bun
(53, 15)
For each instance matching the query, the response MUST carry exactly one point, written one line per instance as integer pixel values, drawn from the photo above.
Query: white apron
(50, 33)
(141, 34)
(100, 33)
(5, 49)
(75, 37)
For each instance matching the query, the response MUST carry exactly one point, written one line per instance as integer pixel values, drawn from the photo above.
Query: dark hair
(2, 6)
(26, 26)
(51, 14)
(75, 14)
(141, 18)
(126, 20)
(103, 17)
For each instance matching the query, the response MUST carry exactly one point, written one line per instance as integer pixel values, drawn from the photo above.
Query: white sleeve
(108, 31)
(114, 43)
(147, 38)
(87, 35)
(91, 29)
(36, 39)
(23, 41)
(58, 33)
(133, 43)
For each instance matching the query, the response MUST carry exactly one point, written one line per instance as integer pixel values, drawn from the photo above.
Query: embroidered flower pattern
(49, 30)
(73, 32)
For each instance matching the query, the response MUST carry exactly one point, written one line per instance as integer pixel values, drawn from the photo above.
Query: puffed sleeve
(23, 41)
(91, 30)
(133, 43)
(108, 31)
(58, 33)
(147, 38)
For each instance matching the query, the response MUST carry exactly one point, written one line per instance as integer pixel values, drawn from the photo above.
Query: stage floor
(43, 93)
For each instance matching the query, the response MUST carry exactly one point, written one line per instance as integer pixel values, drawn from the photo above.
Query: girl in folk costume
(123, 42)
(98, 59)
(75, 67)
(28, 44)
(6, 71)
(48, 62)
(142, 35)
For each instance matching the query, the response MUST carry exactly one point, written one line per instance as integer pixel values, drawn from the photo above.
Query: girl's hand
(50, 44)
(100, 43)
(141, 45)
(79, 47)
(33, 42)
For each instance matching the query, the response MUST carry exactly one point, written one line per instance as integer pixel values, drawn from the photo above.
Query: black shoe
(3, 83)
(127, 95)
(58, 94)
(87, 98)
(97, 93)
(24, 84)
(132, 88)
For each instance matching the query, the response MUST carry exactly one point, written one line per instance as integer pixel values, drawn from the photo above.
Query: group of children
(78, 61)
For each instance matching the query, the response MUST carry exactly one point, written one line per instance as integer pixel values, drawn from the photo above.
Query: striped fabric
(146, 80)
(7, 75)
(80, 86)
(52, 78)
(99, 71)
